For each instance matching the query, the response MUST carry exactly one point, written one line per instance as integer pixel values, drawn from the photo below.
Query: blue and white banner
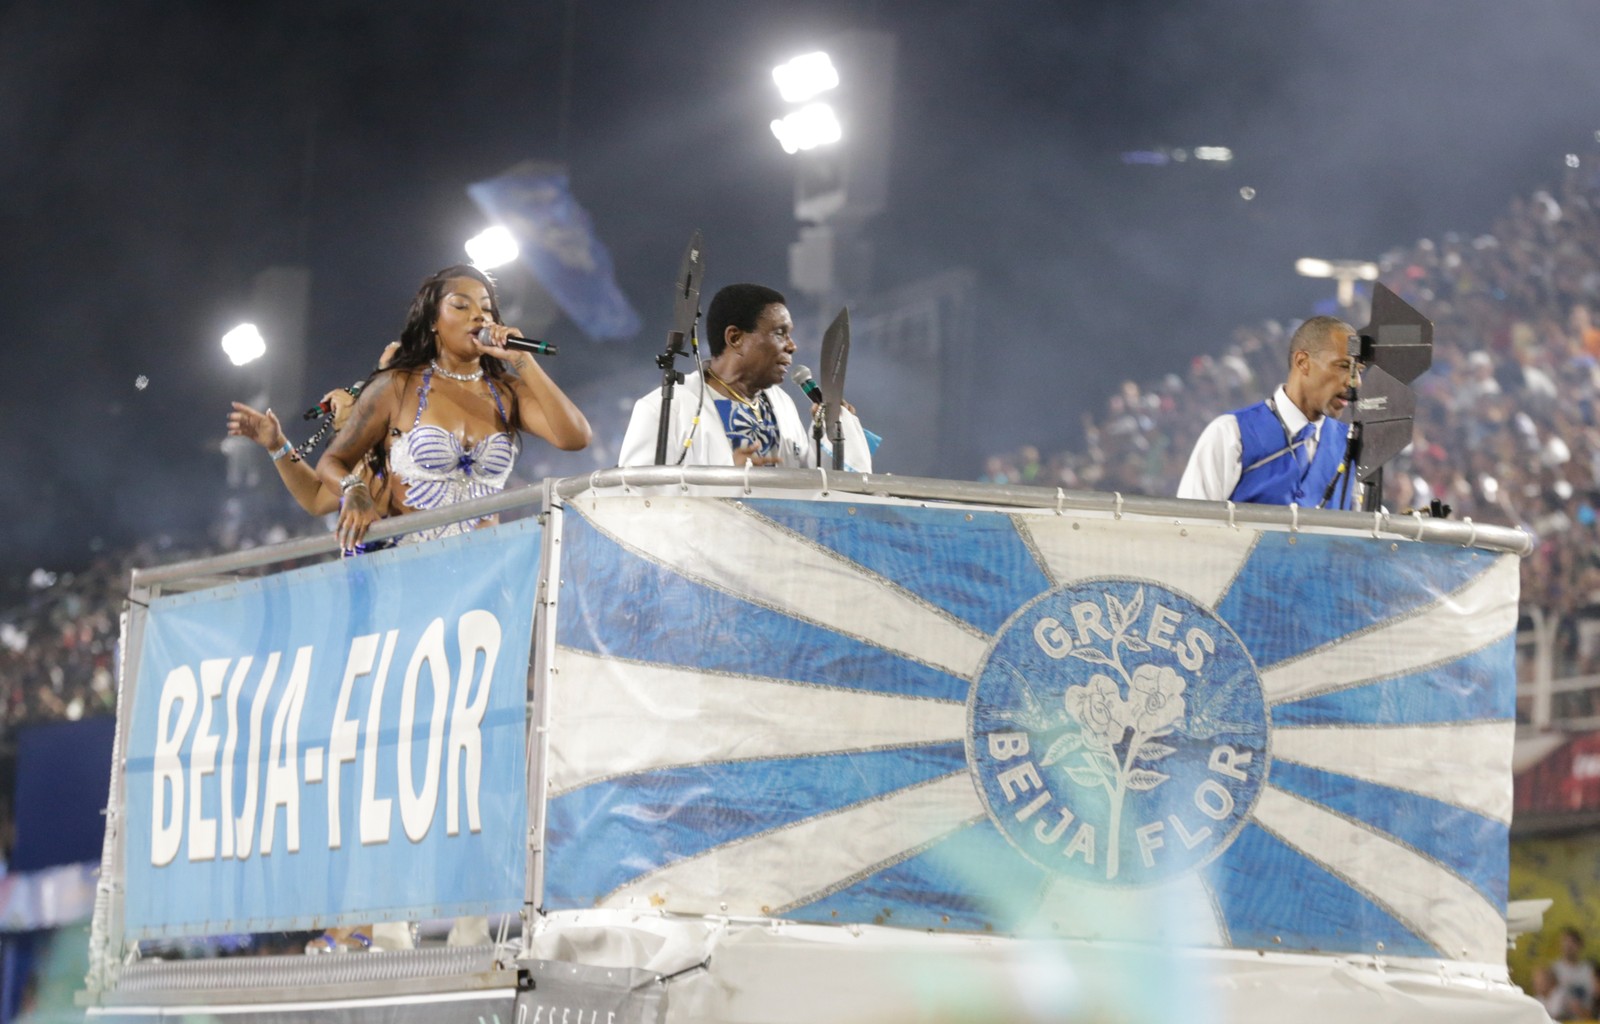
(560, 245)
(1032, 723)
(338, 744)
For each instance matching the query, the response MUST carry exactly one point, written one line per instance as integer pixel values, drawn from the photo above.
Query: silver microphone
(801, 375)
(538, 348)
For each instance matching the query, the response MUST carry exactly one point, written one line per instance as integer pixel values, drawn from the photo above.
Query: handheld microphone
(801, 375)
(538, 348)
(325, 407)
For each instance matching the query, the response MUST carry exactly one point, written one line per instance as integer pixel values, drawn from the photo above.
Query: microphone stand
(1359, 354)
(817, 430)
(685, 314)
(671, 376)
(1371, 493)
(1352, 457)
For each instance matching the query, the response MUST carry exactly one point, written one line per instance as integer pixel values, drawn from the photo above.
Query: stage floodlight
(1356, 270)
(244, 344)
(1346, 272)
(1217, 154)
(492, 247)
(807, 128)
(806, 76)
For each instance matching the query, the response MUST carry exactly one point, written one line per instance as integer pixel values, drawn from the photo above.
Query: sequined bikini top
(437, 471)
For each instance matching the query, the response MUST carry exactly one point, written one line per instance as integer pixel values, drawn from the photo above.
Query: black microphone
(801, 375)
(325, 407)
(538, 348)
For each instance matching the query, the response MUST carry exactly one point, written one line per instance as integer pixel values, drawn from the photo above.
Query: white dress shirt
(709, 444)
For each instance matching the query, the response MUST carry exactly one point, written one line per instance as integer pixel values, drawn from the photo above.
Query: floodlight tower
(1346, 272)
(837, 128)
(271, 352)
(500, 250)
(492, 248)
(244, 344)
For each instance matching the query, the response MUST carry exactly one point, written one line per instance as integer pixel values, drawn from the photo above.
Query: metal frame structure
(1415, 527)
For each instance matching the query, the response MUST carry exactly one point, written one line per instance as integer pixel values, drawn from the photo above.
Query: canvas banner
(337, 744)
(1032, 724)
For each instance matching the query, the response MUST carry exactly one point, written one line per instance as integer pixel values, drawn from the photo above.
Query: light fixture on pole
(244, 344)
(492, 247)
(835, 123)
(1346, 272)
(805, 76)
(807, 128)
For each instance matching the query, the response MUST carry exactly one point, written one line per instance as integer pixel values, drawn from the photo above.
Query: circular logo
(1117, 732)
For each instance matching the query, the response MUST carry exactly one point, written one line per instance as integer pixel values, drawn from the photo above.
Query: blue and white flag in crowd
(1029, 723)
(535, 202)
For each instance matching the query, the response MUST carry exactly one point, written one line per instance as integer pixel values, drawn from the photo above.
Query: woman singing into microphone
(446, 412)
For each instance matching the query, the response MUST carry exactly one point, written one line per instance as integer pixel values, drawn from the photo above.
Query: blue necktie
(1302, 449)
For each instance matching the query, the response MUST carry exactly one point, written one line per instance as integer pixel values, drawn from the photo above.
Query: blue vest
(1271, 474)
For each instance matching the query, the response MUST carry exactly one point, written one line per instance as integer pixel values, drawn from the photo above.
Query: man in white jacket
(736, 413)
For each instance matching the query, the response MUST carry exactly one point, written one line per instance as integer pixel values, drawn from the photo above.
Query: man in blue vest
(1289, 448)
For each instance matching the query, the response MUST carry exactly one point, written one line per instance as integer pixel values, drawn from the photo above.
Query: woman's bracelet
(353, 480)
(281, 452)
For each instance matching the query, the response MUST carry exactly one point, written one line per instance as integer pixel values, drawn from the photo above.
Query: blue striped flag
(1032, 724)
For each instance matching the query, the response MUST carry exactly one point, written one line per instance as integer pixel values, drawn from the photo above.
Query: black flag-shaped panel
(835, 354)
(686, 294)
(1396, 348)
(1385, 409)
(1399, 340)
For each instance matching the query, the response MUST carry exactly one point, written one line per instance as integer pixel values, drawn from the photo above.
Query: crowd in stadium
(58, 640)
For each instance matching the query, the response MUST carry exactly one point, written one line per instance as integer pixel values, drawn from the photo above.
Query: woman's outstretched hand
(261, 427)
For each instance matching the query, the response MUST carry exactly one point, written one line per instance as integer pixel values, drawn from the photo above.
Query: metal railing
(1414, 527)
(1555, 695)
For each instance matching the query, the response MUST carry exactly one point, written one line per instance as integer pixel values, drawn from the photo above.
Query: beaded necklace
(467, 378)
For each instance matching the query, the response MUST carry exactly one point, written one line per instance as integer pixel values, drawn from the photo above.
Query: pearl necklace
(464, 377)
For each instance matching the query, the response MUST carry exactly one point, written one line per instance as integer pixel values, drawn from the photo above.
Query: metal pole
(106, 942)
(545, 618)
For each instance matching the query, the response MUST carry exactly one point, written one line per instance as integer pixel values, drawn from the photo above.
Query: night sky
(154, 157)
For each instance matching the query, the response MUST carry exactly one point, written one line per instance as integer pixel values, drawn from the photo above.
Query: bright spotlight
(1346, 272)
(1219, 154)
(808, 128)
(808, 75)
(492, 247)
(1356, 270)
(244, 344)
